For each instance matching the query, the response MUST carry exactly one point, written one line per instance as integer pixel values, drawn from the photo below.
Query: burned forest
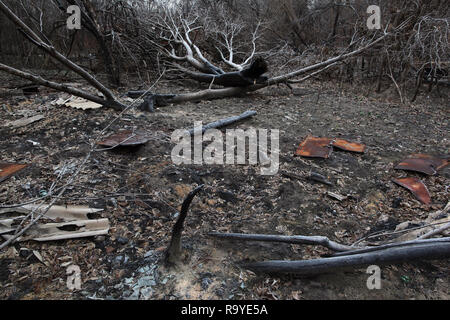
(247, 150)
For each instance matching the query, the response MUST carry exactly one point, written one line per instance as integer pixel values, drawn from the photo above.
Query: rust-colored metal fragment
(437, 162)
(417, 188)
(348, 145)
(124, 138)
(315, 147)
(418, 165)
(422, 163)
(8, 169)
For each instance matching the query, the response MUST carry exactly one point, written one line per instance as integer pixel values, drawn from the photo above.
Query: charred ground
(141, 191)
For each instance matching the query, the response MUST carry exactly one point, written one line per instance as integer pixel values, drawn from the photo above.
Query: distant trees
(130, 38)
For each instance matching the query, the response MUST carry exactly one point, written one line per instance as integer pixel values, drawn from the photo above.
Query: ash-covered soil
(141, 190)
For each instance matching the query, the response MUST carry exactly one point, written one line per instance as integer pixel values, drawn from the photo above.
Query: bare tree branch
(318, 240)
(50, 50)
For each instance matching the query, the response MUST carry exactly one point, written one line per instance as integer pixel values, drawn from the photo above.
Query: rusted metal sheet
(315, 147)
(8, 169)
(437, 162)
(422, 163)
(322, 147)
(417, 188)
(348, 145)
(418, 165)
(124, 138)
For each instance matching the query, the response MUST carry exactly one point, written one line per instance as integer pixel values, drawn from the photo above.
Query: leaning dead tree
(186, 56)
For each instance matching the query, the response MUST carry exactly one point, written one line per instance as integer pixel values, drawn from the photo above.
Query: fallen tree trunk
(224, 122)
(426, 251)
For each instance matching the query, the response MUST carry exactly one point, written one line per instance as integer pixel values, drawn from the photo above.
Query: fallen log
(390, 245)
(424, 251)
(225, 122)
(161, 100)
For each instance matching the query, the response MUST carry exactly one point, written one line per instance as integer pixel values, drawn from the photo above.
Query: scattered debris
(417, 187)
(8, 169)
(141, 283)
(422, 163)
(39, 257)
(422, 229)
(60, 101)
(24, 121)
(80, 103)
(5, 225)
(124, 138)
(34, 143)
(65, 168)
(316, 147)
(336, 196)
